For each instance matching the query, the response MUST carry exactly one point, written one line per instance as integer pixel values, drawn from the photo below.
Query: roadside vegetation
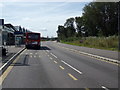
(107, 43)
(96, 28)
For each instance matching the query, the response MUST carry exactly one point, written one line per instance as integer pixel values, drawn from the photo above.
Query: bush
(110, 42)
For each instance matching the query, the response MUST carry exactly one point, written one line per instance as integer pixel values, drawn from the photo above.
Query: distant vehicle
(58, 40)
(33, 40)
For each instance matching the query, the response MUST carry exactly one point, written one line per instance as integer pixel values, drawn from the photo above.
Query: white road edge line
(71, 67)
(53, 55)
(104, 88)
(9, 60)
(96, 56)
(100, 57)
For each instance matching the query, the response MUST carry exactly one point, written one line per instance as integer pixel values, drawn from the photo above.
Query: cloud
(41, 17)
(1, 5)
(43, 29)
(47, 0)
(59, 1)
(27, 19)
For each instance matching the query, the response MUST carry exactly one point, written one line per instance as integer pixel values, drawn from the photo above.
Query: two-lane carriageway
(56, 67)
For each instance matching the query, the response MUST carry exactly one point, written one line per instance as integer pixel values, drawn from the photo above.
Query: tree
(80, 26)
(101, 18)
(61, 32)
(69, 27)
(90, 18)
(98, 19)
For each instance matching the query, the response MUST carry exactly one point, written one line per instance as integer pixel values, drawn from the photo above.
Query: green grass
(107, 43)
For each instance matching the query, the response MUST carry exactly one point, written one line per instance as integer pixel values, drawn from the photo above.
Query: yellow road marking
(4, 75)
(61, 67)
(87, 89)
(72, 76)
(55, 61)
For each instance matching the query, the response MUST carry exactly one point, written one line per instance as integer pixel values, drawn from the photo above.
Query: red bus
(33, 40)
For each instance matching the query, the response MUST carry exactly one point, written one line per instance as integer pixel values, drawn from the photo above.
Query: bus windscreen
(33, 36)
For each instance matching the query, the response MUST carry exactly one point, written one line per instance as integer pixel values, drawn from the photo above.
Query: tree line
(98, 19)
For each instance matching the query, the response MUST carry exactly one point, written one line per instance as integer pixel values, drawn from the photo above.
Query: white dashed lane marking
(104, 88)
(71, 67)
(55, 61)
(53, 55)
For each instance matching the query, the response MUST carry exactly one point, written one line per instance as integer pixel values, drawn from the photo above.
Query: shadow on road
(24, 62)
(44, 48)
(41, 48)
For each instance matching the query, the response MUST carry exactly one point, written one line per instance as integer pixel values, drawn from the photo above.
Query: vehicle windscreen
(33, 36)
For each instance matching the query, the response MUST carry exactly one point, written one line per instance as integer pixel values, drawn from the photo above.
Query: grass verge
(106, 43)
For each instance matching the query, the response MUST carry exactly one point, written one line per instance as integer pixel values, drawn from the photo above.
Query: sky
(43, 17)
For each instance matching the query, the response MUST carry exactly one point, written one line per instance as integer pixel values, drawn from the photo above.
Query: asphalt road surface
(56, 67)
